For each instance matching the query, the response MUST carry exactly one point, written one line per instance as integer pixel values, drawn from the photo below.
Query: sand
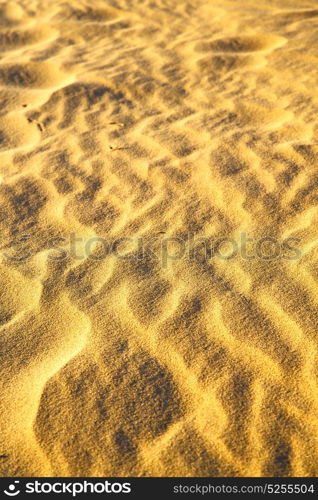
(153, 124)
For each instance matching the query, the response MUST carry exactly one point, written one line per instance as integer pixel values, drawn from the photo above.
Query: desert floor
(132, 135)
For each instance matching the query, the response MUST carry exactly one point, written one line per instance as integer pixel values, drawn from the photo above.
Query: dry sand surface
(151, 120)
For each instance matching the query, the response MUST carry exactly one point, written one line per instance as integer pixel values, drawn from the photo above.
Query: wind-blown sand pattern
(143, 119)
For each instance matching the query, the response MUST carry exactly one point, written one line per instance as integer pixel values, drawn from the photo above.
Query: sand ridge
(152, 120)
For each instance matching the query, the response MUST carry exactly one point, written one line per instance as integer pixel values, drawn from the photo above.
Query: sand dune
(153, 124)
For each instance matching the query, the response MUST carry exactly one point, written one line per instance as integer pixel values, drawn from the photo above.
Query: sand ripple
(128, 119)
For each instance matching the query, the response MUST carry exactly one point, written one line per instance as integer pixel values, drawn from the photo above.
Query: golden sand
(151, 120)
